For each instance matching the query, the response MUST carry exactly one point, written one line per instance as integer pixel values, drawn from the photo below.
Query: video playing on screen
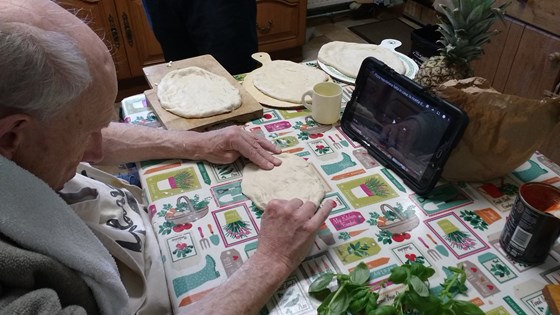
(404, 128)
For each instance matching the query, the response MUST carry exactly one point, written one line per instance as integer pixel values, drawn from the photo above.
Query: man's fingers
(269, 146)
(258, 151)
(323, 213)
(295, 203)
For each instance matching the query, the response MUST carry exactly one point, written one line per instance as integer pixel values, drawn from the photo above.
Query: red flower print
(410, 257)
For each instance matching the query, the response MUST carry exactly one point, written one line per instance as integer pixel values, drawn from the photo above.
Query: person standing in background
(225, 29)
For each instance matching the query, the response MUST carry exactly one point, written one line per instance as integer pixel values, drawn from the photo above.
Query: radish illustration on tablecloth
(455, 237)
(235, 227)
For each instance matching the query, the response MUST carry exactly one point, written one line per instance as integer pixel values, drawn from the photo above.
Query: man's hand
(288, 229)
(226, 145)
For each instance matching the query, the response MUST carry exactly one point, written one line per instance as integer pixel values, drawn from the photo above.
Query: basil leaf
(340, 302)
(426, 273)
(321, 282)
(419, 286)
(324, 308)
(385, 310)
(359, 300)
(360, 274)
(321, 295)
(371, 302)
(425, 305)
(398, 275)
(466, 308)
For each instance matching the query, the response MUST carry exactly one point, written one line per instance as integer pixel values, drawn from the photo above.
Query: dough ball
(294, 178)
(193, 92)
(286, 80)
(348, 57)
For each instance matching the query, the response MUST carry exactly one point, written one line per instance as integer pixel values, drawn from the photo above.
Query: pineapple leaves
(465, 28)
(475, 15)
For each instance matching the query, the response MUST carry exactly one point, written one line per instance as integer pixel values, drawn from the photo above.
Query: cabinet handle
(555, 56)
(114, 32)
(266, 29)
(127, 30)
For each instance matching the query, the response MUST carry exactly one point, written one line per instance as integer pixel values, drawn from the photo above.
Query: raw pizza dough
(347, 57)
(286, 80)
(193, 92)
(294, 178)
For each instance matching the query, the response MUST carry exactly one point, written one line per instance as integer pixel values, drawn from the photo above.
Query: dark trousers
(226, 29)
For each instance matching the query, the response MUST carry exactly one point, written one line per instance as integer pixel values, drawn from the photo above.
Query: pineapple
(464, 25)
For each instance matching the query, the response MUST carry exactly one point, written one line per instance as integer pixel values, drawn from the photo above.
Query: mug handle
(304, 102)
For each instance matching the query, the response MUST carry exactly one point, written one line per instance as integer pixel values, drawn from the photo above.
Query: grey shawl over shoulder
(48, 254)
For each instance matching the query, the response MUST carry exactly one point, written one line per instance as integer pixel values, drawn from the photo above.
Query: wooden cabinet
(521, 60)
(281, 26)
(125, 30)
(420, 12)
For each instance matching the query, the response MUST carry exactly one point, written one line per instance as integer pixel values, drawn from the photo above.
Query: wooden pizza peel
(262, 98)
(250, 108)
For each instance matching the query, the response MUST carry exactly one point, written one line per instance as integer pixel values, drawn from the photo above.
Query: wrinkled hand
(226, 145)
(288, 229)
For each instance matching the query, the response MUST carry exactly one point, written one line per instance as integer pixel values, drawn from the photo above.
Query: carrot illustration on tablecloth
(455, 237)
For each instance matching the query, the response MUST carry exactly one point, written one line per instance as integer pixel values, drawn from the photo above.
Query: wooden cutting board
(262, 98)
(250, 109)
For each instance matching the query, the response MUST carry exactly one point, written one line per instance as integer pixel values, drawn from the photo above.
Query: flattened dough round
(294, 178)
(286, 80)
(347, 57)
(193, 92)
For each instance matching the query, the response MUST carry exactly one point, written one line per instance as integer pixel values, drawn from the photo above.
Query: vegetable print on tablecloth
(469, 219)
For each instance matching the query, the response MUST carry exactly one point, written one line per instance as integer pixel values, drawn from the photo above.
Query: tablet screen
(404, 128)
(402, 125)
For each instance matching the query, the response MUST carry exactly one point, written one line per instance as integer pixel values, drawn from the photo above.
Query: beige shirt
(112, 210)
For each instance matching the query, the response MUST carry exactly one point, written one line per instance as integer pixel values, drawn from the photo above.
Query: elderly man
(73, 244)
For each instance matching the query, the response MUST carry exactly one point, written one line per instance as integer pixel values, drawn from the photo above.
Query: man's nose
(94, 149)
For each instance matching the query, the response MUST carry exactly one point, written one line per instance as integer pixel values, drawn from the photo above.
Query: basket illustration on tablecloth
(187, 210)
(402, 225)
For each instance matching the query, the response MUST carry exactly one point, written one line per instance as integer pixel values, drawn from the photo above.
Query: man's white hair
(41, 72)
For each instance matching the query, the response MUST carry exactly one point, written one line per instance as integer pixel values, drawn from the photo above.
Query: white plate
(409, 64)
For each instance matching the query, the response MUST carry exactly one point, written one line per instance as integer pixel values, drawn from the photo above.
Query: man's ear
(12, 128)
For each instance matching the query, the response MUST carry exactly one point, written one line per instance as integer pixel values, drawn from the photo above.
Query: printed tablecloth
(207, 228)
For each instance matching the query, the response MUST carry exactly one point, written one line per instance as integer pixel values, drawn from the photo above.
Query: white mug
(326, 99)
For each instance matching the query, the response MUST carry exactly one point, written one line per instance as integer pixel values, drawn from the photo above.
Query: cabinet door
(142, 47)
(102, 17)
(280, 24)
(495, 64)
(536, 67)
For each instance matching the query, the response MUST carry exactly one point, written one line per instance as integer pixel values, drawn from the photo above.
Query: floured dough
(196, 93)
(294, 178)
(286, 80)
(347, 57)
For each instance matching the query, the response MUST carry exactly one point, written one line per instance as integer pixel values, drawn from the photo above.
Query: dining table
(207, 228)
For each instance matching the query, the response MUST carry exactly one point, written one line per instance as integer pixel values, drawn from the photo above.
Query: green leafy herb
(354, 295)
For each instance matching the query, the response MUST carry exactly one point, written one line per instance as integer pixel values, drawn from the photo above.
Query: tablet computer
(402, 125)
